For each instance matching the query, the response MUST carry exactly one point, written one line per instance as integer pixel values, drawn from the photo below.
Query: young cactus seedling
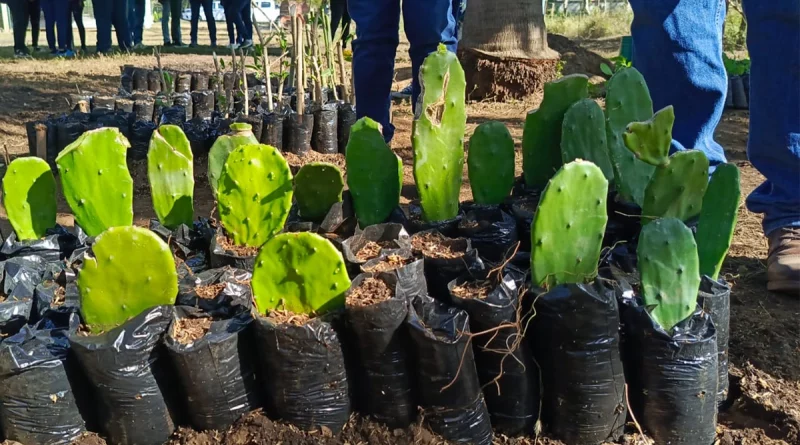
(241, 134)
(29, 196)
(374, 173)
(718, 219)
(650, 140)
(670, 271)
(491, 163)
(583, 136)
(96, 182)
(317, 187)
(677, 190)
(438, 135)
(541, 139)
(300, 272)
(170, 170)
(131, 270)
(568, 227)
(254, 194)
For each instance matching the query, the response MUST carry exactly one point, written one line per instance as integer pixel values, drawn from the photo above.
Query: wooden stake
(245, 91)
(265, 62)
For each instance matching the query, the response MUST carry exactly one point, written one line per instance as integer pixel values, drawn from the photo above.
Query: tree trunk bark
(504, 50)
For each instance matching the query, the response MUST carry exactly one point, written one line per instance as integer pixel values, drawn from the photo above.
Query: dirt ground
(765, 333)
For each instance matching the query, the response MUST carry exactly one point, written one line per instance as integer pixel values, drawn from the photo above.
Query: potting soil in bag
(184, 100)
(199, 81)
(491, 231)
(130, 377)
(409, 272)
(154, 81)
(124, 105)
(369, 243)
(272, 130)
(379, 346)
(347, 117)
(297, 134)
(57, 244)
(228, 80)
(577, 346)
(672, 377)
(448, 387)
(715, 299)
(506, 368)
(215, 289)
(68, 132)
(174, 115)
(103, 103)
(140, 79)
(51, 297)
(183, 83)
(203, 103)
(143, 109)
(445, 260)
(523, 208)
(303, 373)
(214, 365)
(126, 78)
(324, 138)
(222, 253)
(141, 132)
(415, 223)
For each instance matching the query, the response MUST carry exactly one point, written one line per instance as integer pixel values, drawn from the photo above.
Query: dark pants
(212, 24)
(136, 20)
(35, 14)
(56, 15)
(109, 13)
(340, 15)
(20, 16)
(238, 15)
(76, 8)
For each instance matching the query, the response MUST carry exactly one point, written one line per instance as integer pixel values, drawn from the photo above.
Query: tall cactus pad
(627, 100)
(301, 272)
(96, 182)
(170, 170)
(677, 190)
(541, 140)
(491, 163)
(132, 270)
(255, 194)
(374, 173)
(567, 230)
(718, 219)
(583, 136)
(650, 140)
(241, 134)
(670, 271)
(29, 196)
(438, 135)
(317, 187)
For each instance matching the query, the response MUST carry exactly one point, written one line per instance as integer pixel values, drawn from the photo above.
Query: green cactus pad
(96, 182)
(255, 194)
(583, 136)
(718, 219)
(650, 141)
(627, 100)
(438, 135)
(317, 187)
(670, 272)
(541, 139)
(677, 190)
(131, 270)
(29, 196)
(300, 272)
(491, 163)
(170, 170)
(568, 227)
(241, 134)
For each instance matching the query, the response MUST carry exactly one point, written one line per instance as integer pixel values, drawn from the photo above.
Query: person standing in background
(136, 22)
(76, 10)
(237, 26)
(212, 24)
(108, 13)
(35, 14)
(57, 29)
(247, 19)
(171, 12)
(19, 16)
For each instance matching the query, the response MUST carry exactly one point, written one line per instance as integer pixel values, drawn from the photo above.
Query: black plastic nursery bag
(491, 231)
(297, 133)
(347, 117)
(232, 288)
(388, 236)
(715, 299)
(415, 223)
(203, 103)
(174, 115)
(57, 244)
(325, 138)
(52, 297)
(440, 271)
(272, 130)
(220, 257)
(409, 273)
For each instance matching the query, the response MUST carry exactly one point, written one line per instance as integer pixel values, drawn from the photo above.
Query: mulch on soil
(479, 290)
(59, 297)
(288, 317)
(243, 251)
(391, 262)
(209, 292)
(370, 291)
(188, 330)
(373, 250)
(295, 162)
(435, 245)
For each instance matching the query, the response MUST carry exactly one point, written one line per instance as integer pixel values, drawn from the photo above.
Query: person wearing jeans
(171, 9)
(136, 10)
(108, 13)
(238, 18)
(677, 46)
(35, 14)
(20, 15)
(57, 18)
(212, 24)
(427, 23)
(76, 9)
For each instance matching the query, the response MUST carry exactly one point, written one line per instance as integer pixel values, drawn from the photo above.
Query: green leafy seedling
(29, 196)
(491, 163)
(583, 136)
(718, 219)
(317, 187)
(170, 170)
(241, 134)
(677, 190)
(650, 141)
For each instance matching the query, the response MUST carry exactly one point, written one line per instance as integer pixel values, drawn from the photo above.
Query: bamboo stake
(265, 62)
(343, 73)
(245, 91)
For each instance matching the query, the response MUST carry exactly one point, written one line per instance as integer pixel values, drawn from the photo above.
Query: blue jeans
(427, 23)
(136, 20)
(106, 14)
(238, 16)
(171, 9)
(57, 14)
(212, 24)
(678, 49)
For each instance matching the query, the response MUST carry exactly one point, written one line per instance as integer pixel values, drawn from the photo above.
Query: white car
(267, 11)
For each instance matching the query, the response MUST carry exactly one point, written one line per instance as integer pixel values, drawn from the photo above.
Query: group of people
(58, 18)
(238, 17)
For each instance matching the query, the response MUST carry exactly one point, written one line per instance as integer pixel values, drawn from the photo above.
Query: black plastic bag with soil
(223, 101)
(68, 131)
(369, 243)
(103, 103)
(212, 290)
(15, 310)
(140, 82)
(54, 298)
(131, 379)
(408, 271)
(622, 232)
(214, 365)
(378, 342)
(183, 83)
(174, 115)
(143, 109)
(223, 252)
(117, 119)
(324, 138)
(57, 244)
(672, 377)
(37, 404)
(445, 260)
(154, 81)
(272, 130)
(199, 81)
(491, 231)
(255, 122)
(506, 368)
(126, 78)
(415, 223)
(203, 104)
(184, 100)
(198, 132)
(123, 105)
(297, 133)
(447, 381)
(577, 347)
(141, 133)
(189, 245)
(523, 207)
(52, 138)
(303, 373)
(715, 299)
(346, 118)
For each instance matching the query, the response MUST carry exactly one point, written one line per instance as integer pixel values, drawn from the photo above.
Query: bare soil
(370, 291)
(477, 289)
(229, 246)
(434, 245)
(188, 330)
(373, 250)
(391, 262)
(209, 292)
(289, 317)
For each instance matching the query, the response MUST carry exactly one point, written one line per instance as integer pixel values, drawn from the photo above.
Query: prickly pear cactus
(541, 139)
(317, 187)
(301, 272)
(670, 272)
(718, 219)
(583, 136)
(241, 134)
(254, 194)
(491, 163)
(96, 182)
(131, 270)
(650, 140)
(170, 170)
(568, 227)
(374, 173)
(627, 100)
(438, 135)
(677, 190)
(29, 196)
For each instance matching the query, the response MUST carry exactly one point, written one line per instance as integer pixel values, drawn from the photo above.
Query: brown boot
(783, 263)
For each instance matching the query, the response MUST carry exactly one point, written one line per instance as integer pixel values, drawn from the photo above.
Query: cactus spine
(438, 135)
(718, 219)
(317, 187)
(29, 196)
(241, 134)
(170, 170)
(677, 190)
(491, 163)
(650, 140)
